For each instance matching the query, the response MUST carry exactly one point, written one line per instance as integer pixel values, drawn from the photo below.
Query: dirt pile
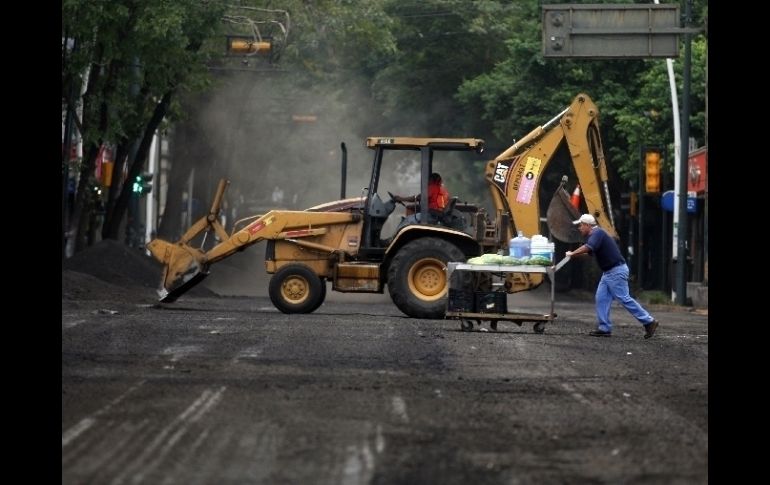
(110, 270)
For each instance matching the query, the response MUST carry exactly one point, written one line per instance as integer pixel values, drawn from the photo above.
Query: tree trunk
(121, 156)
(112, 225)
(183, 141)
(80, 211)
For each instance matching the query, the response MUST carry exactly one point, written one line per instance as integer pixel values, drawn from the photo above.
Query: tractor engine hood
(342, 205)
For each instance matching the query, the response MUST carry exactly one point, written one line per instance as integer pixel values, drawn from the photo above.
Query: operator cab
(398, 169)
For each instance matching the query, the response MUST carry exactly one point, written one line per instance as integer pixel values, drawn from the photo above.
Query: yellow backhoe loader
(345, 242)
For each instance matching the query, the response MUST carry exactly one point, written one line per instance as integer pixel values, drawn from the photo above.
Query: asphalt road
(230, 391)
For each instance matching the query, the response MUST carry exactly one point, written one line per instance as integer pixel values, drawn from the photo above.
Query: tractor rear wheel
(417, 277)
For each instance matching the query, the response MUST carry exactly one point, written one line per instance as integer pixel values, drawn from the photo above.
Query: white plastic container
(541, 247)
(518, 247)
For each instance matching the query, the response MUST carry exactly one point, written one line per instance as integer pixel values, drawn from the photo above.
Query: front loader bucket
(560, 215)
(178, 287)
(182, 271)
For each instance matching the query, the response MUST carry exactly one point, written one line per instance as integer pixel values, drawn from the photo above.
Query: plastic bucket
(541, 247)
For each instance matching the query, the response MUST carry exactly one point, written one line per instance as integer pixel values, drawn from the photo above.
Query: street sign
(626, 31)
(697, 173)
(667, 202)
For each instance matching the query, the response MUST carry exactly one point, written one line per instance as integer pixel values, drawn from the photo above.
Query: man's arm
(408, 198)
(581, 251)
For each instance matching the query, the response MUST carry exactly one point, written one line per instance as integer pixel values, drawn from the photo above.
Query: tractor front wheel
(295, 288)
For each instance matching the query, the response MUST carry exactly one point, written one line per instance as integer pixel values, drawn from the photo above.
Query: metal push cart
(467, 316)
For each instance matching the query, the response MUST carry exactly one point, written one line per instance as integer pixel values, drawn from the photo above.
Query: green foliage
(332, 40)
(129, 54)
(455, 66)
(524, 89)
(128, 58)
(648, 118)
(440, 45)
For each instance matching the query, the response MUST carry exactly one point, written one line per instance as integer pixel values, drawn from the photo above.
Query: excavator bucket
(560, 215)
(182, 268)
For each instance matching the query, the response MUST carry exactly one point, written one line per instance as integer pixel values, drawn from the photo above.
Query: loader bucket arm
(186, 266)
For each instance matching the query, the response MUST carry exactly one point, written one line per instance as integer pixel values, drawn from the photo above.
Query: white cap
(586, 219)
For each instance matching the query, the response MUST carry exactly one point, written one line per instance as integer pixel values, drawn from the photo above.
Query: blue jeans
(614, 285)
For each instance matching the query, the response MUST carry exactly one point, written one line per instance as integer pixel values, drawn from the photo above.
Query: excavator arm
(515, 176)
(186, 266)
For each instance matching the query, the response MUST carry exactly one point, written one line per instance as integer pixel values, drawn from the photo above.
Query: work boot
(649, 329)
(599, 333)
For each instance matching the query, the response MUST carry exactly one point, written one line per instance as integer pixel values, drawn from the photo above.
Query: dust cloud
(279, 143)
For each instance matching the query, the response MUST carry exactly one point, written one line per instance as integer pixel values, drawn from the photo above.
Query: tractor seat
(445, 216)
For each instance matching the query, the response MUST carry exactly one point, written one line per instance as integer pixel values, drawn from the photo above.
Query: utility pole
(640, 262)
(681, 263)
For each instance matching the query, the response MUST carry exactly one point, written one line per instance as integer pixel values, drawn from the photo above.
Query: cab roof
(409, 143)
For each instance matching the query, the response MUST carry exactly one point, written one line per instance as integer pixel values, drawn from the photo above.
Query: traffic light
(244, 45)
(652, 170)
(143, 183)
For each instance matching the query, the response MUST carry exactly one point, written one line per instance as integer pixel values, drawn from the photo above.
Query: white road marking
(73, 432)
(399, 408)
(359, 465)
(379, 440)
(189, 451)
(179, 351)
(112, 444)
(76, 431)
(73, 323)
(575, 394)
(361, 458)
(139, 468)
(248, 353)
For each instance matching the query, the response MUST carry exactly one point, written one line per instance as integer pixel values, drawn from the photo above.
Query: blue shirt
(604, 249)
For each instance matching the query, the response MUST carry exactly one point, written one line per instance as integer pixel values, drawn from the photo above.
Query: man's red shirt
(438, 196)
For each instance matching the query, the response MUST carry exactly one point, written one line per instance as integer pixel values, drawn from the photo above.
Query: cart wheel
(539, 327)
(466, 325)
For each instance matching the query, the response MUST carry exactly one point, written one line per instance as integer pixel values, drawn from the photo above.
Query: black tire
(417, 279)
(322, 298)
(295, 288)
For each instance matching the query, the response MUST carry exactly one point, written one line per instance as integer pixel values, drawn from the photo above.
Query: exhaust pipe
(343, 181)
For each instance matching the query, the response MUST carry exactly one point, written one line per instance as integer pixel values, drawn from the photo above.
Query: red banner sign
(697, 173)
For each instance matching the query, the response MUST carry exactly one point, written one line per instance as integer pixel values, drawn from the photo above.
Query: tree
(133, 56)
